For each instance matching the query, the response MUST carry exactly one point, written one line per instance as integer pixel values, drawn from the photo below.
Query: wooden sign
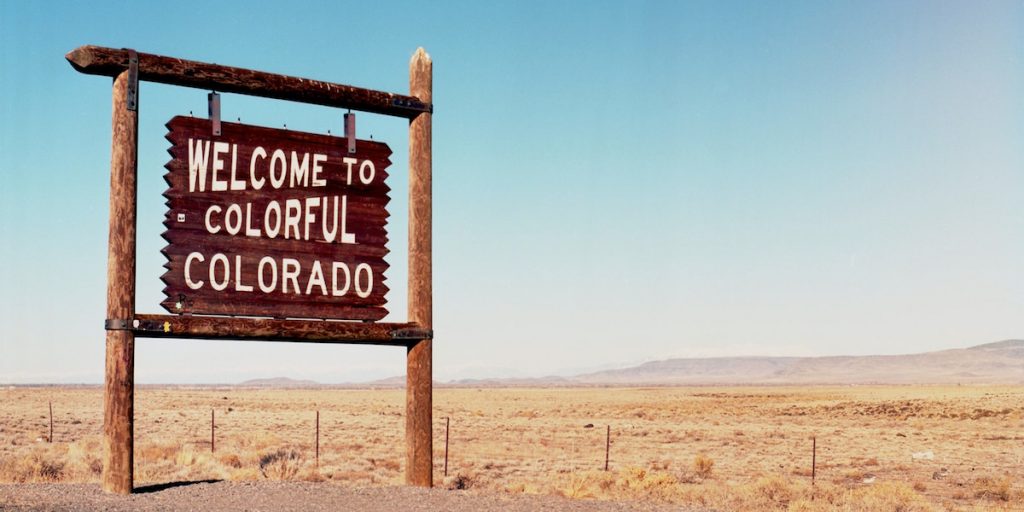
(275, 223)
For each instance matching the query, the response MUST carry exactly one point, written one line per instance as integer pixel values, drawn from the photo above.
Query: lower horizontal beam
(266, 329)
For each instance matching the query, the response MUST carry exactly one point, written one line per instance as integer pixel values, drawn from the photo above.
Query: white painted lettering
(226, 274)
(236, 184)
(318, 168)
(316, 278)
(360, 269)
(349, 162)
(259, 152)
(239, 287)
(192, 256)
(278, 156)
(366, 172)
(290, 271)
(198, 159)
(299, 172)
(292, 216)
(330, 235)
(272, 228)
(233, 219)
(217, 184)
(267, 261)
(249, 230)
(335, 267)
(346, 237)
(210, 228)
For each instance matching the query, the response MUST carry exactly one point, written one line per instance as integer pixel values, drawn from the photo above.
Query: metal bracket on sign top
(132, 95)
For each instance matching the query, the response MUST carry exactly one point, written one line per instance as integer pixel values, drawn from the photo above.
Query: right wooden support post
(419, 448)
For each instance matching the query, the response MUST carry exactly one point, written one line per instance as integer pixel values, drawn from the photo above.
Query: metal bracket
(133, 81)
(118, 324)
(350, 131)
(213, 110)
(412, 334)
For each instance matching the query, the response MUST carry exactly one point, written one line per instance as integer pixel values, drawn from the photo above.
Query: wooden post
(318, 439)
(607, 446)
(419, 386)
(447, 423)
(50, 439)
(814, 459)
(213, 441)
(119, 377)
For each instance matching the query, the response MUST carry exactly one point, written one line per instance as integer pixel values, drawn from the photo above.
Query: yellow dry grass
(900, 448)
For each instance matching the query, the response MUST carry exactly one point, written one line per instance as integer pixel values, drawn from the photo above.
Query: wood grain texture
(419, 358)
(266, 329)
(360, 208)
(96, 60)
(119, 377)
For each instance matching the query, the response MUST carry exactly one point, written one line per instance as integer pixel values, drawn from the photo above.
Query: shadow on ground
(170, 485)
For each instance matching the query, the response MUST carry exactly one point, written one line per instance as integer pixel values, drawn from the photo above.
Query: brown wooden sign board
(276, 223)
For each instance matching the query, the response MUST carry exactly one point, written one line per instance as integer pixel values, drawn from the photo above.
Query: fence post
(318, 439)
(212, 439)
(814, 458)
(447, 423)
(607, 446)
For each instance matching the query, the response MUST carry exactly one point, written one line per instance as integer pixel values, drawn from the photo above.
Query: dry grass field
(901, 448)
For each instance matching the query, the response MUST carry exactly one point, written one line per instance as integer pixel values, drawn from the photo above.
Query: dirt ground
(750, 448)
(295, 496)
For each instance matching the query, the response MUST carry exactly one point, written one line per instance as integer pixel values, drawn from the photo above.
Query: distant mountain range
(992, 363)
(1000, 362)
(279, 382)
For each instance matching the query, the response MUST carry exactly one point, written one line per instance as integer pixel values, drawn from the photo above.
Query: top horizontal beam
(97, 60)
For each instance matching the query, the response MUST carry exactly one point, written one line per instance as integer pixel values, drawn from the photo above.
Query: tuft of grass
(894, 496)
(992, 488)
(463, 481)
(37, 466)
(282, 464)
(774, 490)
(703, 465)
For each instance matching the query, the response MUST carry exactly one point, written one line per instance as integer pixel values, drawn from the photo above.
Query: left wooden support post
(119, 380)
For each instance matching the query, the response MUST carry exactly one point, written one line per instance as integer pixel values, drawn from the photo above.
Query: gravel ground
(299, 496)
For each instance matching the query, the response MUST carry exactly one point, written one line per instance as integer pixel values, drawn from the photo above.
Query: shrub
(990, 488)
(282, 464)
(703, 465)
(462, 482)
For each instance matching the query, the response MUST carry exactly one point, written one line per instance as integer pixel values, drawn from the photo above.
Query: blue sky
(613, 182)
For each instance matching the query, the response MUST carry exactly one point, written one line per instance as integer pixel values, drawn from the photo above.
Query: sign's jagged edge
(167, 219)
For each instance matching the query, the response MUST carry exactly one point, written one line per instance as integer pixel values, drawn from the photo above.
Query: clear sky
(613, 182)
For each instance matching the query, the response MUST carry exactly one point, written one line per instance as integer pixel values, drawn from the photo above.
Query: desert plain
(726, 448)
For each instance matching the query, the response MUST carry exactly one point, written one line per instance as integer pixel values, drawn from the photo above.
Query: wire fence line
(506, 449)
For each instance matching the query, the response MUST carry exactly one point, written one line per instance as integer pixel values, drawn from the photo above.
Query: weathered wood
(419, 457)
(119, 379)
(96, 60)
(200, 223)
(266, 329)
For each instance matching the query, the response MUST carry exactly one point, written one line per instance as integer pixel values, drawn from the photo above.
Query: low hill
(279, 382)
(1000, 362)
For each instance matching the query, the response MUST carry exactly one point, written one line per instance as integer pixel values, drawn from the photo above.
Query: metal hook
(350, 131)
(213, 109)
